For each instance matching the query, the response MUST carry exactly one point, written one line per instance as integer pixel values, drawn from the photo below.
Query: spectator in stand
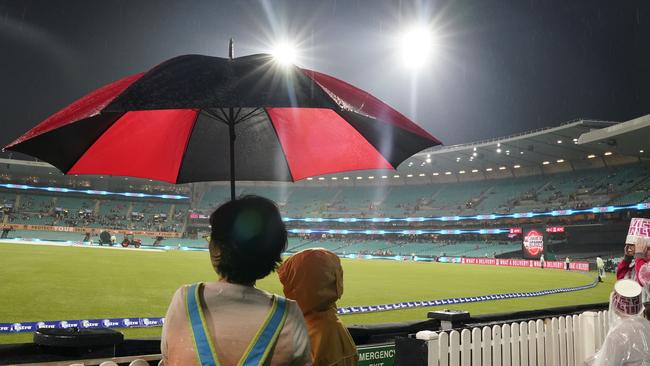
(625, 269)
(231, 321)
(314, 278)
(641, 259)
(628, 340)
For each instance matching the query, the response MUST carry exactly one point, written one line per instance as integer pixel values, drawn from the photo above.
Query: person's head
(629, 249)
(314, 278)
(247, 239)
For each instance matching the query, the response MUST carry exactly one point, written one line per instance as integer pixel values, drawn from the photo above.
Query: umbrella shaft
(231, 129)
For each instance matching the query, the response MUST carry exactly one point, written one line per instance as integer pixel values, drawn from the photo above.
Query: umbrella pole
(231, 129)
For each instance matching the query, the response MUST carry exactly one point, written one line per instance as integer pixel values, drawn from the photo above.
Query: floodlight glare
(415, 46)
(284, 53)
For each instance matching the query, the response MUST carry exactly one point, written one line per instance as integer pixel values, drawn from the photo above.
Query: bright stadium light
(591, 156)
(416, 44)
(608, 153)
(285, 53)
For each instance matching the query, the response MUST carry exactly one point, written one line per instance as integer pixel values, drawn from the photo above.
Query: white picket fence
(562, 341)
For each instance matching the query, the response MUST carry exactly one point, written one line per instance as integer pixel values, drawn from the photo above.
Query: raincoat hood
(314, 278)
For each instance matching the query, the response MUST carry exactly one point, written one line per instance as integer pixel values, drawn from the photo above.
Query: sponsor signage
(93, 230)
(515, 230)
(82, 324)
(380, 355)
(533, 243)
(639, 229)
(555, 229)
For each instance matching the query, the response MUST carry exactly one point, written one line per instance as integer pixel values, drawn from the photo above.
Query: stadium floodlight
(416, 44)
(334, 178)
(498, 151)
(474, 170)
(502, 168)
(608, 153)
(488, 169)
(436, 173)
(321, 178)
(546, 162)
(421, 175)
(384, 177)
(396, 176)
(461, 172)
(409, 176)
(591, 156)
(359, 178)
(371, 177)
(310, 178)
(285, 53)
(346, 178)
(498, 144)
(474, 149)
(517, 166)
(559, 141)
(560, 160)
(447, 173)
(428, 160)
(641, 151)
(474, 154)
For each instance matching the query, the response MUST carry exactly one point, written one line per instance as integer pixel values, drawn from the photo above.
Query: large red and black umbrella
(194, 118)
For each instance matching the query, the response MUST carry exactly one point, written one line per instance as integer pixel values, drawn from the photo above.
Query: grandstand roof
(627, 138)
(531, 148)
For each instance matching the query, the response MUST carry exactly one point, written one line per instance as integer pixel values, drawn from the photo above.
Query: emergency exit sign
(379, 355)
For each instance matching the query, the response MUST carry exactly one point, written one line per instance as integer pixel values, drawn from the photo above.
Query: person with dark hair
(230, 322)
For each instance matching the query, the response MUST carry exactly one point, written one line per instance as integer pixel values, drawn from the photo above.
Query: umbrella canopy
(189, 118)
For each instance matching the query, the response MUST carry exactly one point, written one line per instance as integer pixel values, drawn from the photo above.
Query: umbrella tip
(231, 49)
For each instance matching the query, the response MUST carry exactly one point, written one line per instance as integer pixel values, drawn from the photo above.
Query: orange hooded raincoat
(314, 279)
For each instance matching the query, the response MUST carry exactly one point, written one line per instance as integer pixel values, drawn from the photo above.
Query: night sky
(499, 67)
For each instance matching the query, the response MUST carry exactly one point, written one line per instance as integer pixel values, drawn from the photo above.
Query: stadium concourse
(576, 179)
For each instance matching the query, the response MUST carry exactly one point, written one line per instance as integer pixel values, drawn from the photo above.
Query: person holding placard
(625, 268)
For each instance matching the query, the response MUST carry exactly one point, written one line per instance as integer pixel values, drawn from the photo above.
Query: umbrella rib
(255, 112)
(214, 116)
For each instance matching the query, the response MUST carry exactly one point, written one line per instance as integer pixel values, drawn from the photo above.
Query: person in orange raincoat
(314, 279)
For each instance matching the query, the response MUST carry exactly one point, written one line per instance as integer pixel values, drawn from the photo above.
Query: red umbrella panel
(189, 118)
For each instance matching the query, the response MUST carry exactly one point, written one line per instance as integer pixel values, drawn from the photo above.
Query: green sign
(379, 355)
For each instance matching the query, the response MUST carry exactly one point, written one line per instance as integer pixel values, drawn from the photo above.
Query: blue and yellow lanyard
(261, 344)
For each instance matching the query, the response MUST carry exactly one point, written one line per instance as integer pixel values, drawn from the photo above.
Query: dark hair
(250, 236)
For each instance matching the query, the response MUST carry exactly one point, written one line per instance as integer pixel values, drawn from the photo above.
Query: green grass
(56, 283)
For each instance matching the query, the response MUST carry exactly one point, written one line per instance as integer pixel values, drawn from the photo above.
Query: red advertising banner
(575, 266)
(93, 230)
(555, 229)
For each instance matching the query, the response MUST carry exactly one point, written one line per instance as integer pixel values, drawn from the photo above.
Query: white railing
(560, 341)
